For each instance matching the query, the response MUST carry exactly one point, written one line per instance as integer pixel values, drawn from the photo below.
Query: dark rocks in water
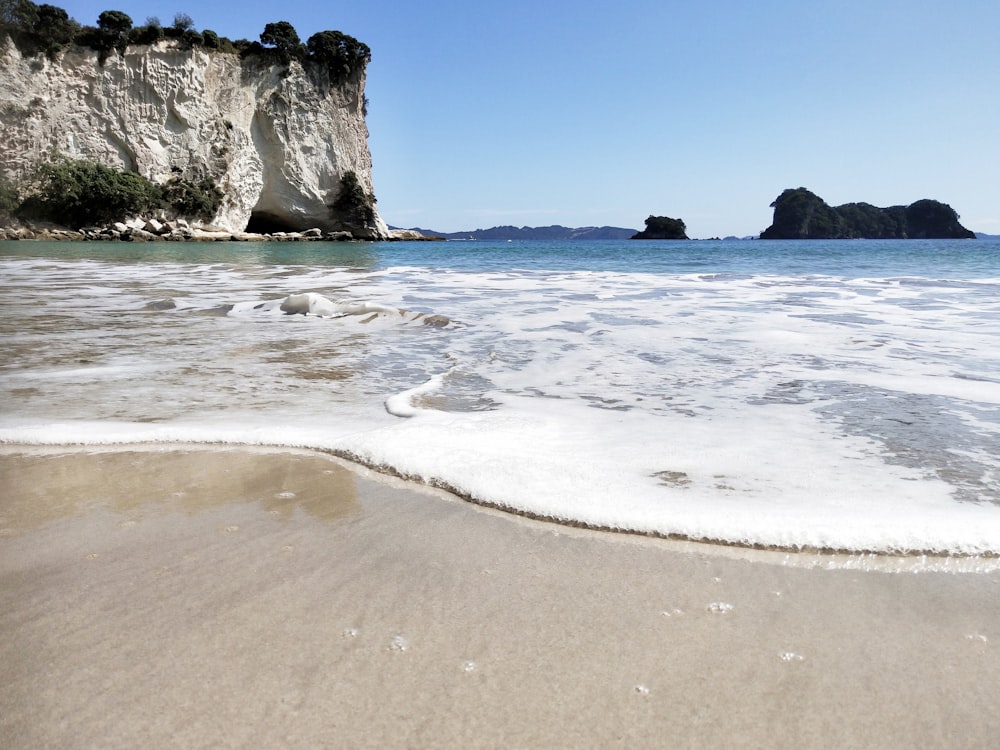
(802, 215)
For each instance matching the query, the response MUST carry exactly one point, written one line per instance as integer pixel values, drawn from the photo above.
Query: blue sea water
(839, 394)
(855, 258)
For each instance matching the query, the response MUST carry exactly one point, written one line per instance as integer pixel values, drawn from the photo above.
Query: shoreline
(141, 230)
(913, 561)
(231, 596)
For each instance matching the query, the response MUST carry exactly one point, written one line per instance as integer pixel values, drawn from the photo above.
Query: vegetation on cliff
(10, 199)
(662, 228)
(194, 199)
(802, 215)
(78, 192)
(47, 29)
(353, 209)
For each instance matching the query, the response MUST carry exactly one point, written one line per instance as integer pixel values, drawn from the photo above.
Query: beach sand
(244, 598)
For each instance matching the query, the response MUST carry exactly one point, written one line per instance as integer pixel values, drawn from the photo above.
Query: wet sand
(235, 598)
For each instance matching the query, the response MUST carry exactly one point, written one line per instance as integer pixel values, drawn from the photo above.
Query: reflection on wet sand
(42, 486)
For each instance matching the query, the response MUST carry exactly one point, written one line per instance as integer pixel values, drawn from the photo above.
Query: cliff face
(276, 139)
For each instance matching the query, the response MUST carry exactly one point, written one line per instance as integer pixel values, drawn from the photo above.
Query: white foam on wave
(788, 487)
(402, 404)
(785, 486)
(780, 411)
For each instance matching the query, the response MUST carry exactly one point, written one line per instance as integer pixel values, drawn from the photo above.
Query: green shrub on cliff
(79, 192)
(353, 208)
(196, 200)
(9, 198)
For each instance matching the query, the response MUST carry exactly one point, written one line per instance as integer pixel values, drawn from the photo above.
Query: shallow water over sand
(841, 395)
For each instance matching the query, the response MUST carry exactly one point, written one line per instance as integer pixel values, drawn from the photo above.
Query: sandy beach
(182, 597)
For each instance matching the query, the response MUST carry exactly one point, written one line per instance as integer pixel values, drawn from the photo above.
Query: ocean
(823, 395)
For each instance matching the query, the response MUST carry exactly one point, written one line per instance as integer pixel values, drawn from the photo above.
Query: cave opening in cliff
(263, 222)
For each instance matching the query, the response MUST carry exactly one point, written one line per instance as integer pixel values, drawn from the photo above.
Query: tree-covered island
(802, 215)
(662, 228)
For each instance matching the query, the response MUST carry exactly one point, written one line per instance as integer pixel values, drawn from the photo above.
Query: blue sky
(536, 112)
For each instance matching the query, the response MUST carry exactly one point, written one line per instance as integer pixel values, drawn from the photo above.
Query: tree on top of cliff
(284, 40)
(112, 33)
(46, 28)
(182, 22)
(339, 53)
(37, 28)
(114, 23)
(16, 13)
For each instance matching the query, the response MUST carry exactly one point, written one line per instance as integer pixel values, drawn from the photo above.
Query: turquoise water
(858, 258)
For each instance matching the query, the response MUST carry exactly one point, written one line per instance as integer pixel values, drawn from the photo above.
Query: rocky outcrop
(802, 215)
(662, 228)
(277, 139)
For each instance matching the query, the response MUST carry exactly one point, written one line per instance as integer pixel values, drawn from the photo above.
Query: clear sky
(537, 112)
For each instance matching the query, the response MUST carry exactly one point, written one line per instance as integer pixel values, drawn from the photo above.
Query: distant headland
(554, 232)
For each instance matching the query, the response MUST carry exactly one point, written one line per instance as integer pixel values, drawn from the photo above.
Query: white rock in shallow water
(312, 303)
(308, 303)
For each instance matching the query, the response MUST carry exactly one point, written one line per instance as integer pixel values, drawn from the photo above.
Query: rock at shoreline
(138, 230)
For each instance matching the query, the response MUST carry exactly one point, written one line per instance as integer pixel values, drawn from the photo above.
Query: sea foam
(765, 409)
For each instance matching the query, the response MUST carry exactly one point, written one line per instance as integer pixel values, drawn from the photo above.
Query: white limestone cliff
(276, 139)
